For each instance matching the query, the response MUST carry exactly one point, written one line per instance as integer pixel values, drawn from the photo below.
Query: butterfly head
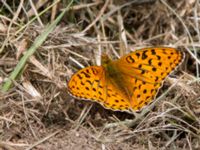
(105, 59)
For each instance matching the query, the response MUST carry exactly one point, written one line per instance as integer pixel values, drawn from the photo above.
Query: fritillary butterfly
(129, 83)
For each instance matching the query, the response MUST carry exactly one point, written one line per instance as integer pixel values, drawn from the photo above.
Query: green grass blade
(38, 41)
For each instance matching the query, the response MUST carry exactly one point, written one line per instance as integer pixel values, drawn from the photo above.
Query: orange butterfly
(129, 83)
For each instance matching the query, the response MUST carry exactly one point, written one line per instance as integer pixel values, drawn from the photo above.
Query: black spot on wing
(150, 61)
(158, 57)
(136, 81)
(87, 71)
(144, 91)
(138, 55)
(143, 71)
(82, 83)
(79, 76)
(100, 86)
(88, 82)
(101, 98)
(122, 100)
(160, 64)
(156, 79)
(113, 105)
(144, 55)
(126, 108)
(153, 52)
(117, 101)
(94, 71)
(164, 51)
(154, 69)
(130, 59)
(85, 74)
(147, 97)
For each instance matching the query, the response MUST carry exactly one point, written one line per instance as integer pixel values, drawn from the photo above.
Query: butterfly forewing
(151, 63)
(147, 69)
(88, 84)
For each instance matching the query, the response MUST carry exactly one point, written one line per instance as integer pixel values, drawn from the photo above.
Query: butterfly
(129, 83)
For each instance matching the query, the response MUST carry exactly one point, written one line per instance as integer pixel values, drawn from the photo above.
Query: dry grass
(37, 113)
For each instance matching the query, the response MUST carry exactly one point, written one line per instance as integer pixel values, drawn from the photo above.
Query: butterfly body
(114, 76)
(129, 83)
